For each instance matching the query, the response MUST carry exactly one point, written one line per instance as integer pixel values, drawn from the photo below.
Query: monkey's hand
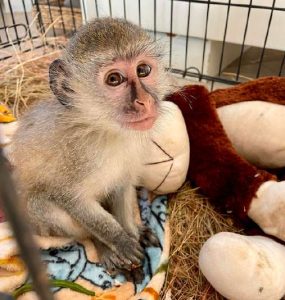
(115, 265)
(119, 260)
(147, 237)
(125, 253)
(129, 250)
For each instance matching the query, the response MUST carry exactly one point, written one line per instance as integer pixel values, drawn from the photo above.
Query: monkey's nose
(145, 106)
(139, 102)
(139, 105)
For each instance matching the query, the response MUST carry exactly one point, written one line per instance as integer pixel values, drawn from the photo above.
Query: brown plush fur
(228, 180)
(269, 89)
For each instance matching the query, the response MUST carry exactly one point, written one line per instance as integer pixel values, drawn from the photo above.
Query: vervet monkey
(78, 159)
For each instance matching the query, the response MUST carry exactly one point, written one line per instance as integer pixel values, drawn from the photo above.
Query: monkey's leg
(123, 208)
(49, 219)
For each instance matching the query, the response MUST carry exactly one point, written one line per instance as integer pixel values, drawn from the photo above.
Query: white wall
(257, 27)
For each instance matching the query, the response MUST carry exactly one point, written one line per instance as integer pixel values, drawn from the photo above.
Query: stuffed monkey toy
(223, 142)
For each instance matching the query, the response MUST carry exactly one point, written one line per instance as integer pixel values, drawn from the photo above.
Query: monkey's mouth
(142, 123)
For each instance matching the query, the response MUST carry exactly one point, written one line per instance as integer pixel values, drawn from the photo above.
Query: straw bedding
(24, 80)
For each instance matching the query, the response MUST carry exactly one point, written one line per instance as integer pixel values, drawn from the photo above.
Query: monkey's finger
(126, 264)
(139, 249)
(139, 252)
(138, 275)
(114, 266)
(131, 250)
(135, 248)
(148, 238)
(110, 267)
(135, 276)
(121, 262)
(136, 258)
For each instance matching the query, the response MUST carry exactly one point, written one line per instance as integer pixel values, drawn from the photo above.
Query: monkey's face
(131, 89)
(112, 74)
(123, 93)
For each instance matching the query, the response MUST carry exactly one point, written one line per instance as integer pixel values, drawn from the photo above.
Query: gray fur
(111, 38)
(75, 166)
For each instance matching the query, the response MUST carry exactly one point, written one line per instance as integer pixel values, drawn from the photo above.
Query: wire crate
(217, 41)
(64, 19)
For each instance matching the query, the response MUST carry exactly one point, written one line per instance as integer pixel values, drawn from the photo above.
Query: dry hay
(24, 80)
(24, 76)
(192, 221)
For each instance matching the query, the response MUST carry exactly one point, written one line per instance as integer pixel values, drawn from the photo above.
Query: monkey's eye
(143, 70)
(115, 79)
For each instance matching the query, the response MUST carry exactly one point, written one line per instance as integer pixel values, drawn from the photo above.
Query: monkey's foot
(136, 275)
(147, 237)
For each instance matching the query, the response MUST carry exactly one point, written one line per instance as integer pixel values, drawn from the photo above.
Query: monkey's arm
(104, 227)
(122, 208)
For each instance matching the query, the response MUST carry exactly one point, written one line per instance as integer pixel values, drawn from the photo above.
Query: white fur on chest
(117, 164)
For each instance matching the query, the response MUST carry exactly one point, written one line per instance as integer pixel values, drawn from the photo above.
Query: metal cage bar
(171, 34)
(224, 38)
(205, 36)
(243, 41)
(140, 15)
(187, 37)
(265, 40)
(282, 65)
(72, 13)
(14, 24)
(186, 69)
(51, 17)
(60, 11)
(27, 21)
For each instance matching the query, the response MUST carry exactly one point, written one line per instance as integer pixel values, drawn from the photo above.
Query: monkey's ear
(59, 76)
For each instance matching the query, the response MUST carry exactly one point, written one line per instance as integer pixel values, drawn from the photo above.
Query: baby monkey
(77, 160)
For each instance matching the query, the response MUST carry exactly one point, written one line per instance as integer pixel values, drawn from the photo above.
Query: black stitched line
(164, 178)
(159, 162)
(162, 149)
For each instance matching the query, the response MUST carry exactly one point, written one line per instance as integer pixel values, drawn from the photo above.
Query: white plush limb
(257, 131)
(244, 268)
(267, 209)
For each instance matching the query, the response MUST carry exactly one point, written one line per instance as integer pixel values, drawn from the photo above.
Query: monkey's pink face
(130, 86)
